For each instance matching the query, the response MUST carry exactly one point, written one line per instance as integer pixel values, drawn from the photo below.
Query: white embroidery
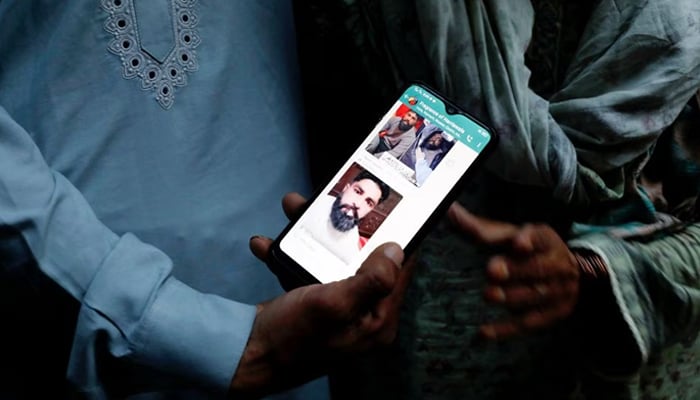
(159, 77)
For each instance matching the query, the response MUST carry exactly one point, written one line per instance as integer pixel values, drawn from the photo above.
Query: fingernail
(498, 295)
(254, 237)
(498, 269)
(541, 290)
(452, 211)
(394, 252)
(488, 332)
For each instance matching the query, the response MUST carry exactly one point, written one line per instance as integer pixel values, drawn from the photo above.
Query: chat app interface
(388, 188)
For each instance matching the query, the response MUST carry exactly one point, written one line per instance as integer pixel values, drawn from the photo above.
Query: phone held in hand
(398, 181)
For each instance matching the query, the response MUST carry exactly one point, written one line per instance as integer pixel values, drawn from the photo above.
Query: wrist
(594, 279)
(592, 267)
(605, 337)
(254, 367)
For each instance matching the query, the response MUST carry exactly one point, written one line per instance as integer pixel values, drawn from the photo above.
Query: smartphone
(395, 185)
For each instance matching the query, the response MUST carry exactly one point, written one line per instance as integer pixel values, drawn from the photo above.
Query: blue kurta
(141, 144)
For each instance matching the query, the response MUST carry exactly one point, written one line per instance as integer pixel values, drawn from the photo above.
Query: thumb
(377, 276)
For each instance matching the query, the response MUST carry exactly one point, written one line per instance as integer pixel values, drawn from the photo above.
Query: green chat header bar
(459, 126)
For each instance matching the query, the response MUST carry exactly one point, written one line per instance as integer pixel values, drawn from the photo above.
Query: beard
(404, 126)
(432, 146)
(340, 220)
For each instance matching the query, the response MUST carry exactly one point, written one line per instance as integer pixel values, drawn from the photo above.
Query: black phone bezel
(292, 275)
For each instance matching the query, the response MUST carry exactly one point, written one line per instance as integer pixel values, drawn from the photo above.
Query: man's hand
(302, 334)
(536, 278)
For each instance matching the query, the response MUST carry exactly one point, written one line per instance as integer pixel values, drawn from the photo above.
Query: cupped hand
(534, 275)
(305, 332)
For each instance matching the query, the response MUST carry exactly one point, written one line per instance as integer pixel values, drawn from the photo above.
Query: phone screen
(391, 185)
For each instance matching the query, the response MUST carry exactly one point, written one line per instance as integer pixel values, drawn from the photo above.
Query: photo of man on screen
(334, 221)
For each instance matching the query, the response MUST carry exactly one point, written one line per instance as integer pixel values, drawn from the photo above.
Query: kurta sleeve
(133, 311)
(655, 286)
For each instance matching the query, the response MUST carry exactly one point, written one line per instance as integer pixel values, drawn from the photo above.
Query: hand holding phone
(304, 333)
(401, 177)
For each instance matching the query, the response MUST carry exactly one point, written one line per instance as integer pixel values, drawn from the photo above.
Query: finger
(526, 240)
(348, 300)
(535, 237)
(357, 337)
(530, 321)
(520, 297)
(381, 324)
(377, 327)
(498, 269)
(544, 266)
(405, 274)
(500, 330)
(545, 317)
(484, 230)
(377, 333)
(292, 204)
(260, 246)
(366, 303)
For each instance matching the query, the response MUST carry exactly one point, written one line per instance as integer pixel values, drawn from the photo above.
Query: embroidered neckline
(161, 78)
